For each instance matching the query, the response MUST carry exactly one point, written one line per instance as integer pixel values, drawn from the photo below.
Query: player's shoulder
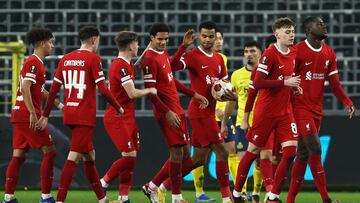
(328, 49)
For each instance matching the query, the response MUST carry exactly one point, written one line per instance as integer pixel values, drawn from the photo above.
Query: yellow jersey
(219, 104)
(240, 80)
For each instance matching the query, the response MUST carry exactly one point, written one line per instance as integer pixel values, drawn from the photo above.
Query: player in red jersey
(25, 114)
(168, 111)
(123, 130)
(205, 67)
(80, 71)
(273, 109)
(314, 64)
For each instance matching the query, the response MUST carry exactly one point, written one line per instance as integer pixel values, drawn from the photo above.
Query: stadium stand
(240, 20)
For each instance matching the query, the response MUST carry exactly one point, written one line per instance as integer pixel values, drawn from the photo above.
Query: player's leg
(176, 158)
(241, 145)
(255, 195)
(298, 171)
(286, 133)
(266, 163)
(47, 173)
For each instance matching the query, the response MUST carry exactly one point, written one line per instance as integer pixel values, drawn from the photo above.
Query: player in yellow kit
(240, 80)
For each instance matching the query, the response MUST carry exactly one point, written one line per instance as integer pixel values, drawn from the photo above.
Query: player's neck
(313, 41)
(125, 55)
(87, 47)
(208, 51)
(250, 67)
(284, 49)
(39, 53)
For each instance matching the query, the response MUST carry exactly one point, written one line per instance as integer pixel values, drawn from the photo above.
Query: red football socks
(319, 175)
(118, 166)
(47, 172)
(127, 176)
(222, 174)
(267, 173)
(175, 177)
(297, 178)
(243, 169)
(93, 178)
(12, 174)
(65, 179)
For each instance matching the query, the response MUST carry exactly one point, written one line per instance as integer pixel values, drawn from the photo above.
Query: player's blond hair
(283, 22)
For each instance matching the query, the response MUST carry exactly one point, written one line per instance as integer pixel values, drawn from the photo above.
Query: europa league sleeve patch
(32, 69)
(264, 60)
(123, 71)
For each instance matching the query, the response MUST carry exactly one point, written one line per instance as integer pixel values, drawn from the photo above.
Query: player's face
(285, 36)
(318, 29)
(207, 38)
(252, 55)
(159, 41)
(219, 42)
(48, 46)
(134, 47)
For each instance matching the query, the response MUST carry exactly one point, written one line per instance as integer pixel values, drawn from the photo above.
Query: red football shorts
(24, 137)
(123, 132)
(174, 136)
(270, 142)
(82, 138)
(284, 128)
(205, 131)
(307, 122)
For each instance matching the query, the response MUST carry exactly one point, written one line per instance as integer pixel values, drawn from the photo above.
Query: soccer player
(25, 114)
(240, 79)
(123, 130)
(205, 67)
(80, 71)
(273, 109)
(314, 64)
(168, 111)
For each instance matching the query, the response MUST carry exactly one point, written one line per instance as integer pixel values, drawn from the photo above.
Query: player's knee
(50, 154)
(315, 149)
(289, 152)
(222, 155)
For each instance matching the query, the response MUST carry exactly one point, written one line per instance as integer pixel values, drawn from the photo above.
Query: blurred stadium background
(240, 20)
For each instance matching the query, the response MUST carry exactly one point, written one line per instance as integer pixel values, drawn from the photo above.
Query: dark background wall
(341, 161)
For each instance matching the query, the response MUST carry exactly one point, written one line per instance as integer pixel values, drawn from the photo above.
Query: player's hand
(224, 129)
(189, 38)
(42, 123)
(33, 121)
(292, 81)
(201, 100)
(352, 110)
(297, 91)
(229, 96)
(244, 126)
(120, 111)
(152, 91)
(173, 119)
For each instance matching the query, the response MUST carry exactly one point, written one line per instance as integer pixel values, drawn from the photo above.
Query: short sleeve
(124, 75)
(150, 70)
(30, 71)
(266, 63)
(97, 70)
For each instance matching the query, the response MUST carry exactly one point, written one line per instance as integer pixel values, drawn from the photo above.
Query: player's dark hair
(284, 22)
(308, 21)
(87, 32)
(220, 31)
(124, 38)
(253, 44)
(270, 40)
(209, 25)
(38, 34)
(158, 27)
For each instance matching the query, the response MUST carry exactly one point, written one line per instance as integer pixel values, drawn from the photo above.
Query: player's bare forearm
(229, 109)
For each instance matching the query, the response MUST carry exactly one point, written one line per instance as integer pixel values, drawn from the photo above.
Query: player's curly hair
(124, 38)
(87, 32)
(209, 25)
(283, 22)
(38, 34)
(158, 27)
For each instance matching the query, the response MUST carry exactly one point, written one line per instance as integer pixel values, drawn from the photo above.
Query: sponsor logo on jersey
(308, 63)
(280, 67)
(203, 67)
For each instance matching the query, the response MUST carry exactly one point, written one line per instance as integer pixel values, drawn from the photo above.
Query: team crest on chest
(327, 64)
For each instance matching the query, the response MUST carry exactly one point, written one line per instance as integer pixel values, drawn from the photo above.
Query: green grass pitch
(136, 196)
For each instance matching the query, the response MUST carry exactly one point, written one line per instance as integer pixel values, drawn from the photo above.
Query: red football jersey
(277, 65)
(33, 70)
(204, 70)
(121, 72)
(313, 66)
(79, 71)
(157, 69)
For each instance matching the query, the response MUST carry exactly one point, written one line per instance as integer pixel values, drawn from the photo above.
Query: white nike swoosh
(203, 67)
(281, 66)
(308, 63)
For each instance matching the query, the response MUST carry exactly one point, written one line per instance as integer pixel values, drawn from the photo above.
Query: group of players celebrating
(278, 94)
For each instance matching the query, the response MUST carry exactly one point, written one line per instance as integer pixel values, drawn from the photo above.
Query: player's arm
(132, 92)
(176, 61)
(252, 93)
(57, 102)
(340, 94)
(229, 108)
(139, 61)
(189, 92)
(25, 91)
(106, 94)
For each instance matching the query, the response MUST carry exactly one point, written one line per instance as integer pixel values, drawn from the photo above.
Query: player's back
(157, 69)
(276, 65)
(79, 71)
(120, 73)
(204, 70)
(313, 66)
(34, 71)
